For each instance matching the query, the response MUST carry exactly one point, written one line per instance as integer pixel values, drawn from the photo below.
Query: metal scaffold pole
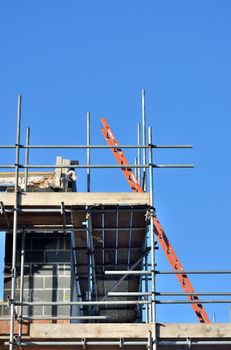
(27, 156)
(138, 152)
(15, 219)
(21, 284)
(144, 180)
(154, 336)
(88, 153)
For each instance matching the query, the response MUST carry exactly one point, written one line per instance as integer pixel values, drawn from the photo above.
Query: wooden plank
(46, 199)
(194, 330)
(84, 330)
(133, 330)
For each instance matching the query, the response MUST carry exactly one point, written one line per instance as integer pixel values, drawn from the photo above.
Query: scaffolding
(112, 260)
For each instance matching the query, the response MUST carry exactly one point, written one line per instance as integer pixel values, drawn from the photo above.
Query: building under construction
(80, 267)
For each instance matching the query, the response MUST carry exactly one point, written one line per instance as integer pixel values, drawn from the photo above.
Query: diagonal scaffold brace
(159, 232)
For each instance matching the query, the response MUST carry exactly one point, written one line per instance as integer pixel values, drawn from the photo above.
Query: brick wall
(47, 272)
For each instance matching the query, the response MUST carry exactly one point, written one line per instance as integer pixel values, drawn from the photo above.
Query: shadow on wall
(2, 255)
(47, 272)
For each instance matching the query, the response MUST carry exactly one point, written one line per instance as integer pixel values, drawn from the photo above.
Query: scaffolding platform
(44, 208)
(80, 267)
(118, 235)
(179, 336)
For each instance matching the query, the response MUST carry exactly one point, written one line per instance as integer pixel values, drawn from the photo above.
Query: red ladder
(160, 234)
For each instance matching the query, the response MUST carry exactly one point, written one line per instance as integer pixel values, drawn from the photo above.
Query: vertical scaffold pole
(21, 284)
(87, 221)
(138, 152)
(152, 239)
(144, 140)
(146, 281)
(88, 153)
(89, 249)
(27, 157)
(136, 163)
(15, 222)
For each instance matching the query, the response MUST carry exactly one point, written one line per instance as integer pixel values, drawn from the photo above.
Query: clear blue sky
(70, 57)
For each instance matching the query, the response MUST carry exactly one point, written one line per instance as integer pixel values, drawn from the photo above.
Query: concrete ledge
(46, 199)
(126, 330)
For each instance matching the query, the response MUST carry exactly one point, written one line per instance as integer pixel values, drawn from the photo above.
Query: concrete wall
(47, 272)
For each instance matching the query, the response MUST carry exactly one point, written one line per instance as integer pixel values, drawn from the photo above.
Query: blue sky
(70, 57)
